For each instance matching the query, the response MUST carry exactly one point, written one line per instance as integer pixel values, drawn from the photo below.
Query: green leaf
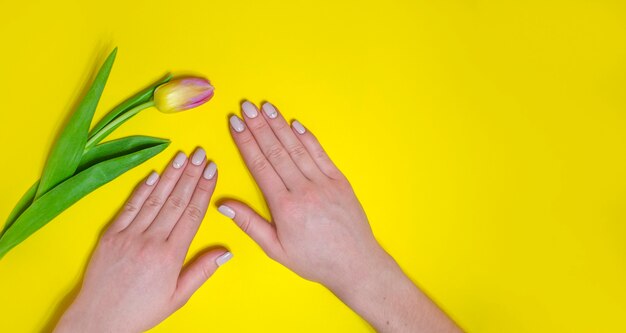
(97, 154)
(65, 194)
(24, 202)
(140, 98)
(68, 150)
(116, 148)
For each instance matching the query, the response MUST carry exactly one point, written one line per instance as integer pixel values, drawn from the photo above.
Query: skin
(136, 278)
(318, 230)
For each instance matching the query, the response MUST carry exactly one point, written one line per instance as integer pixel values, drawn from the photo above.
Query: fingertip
(223, 258)
(298, 127)
(237, 124)
(179, 160)
(226, 210)
(198, 156)
(269, 110)
(152, 179)
(210, 171)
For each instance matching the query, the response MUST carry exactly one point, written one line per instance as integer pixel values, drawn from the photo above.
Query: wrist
(367, 273)
(82, 317)
(380, 292)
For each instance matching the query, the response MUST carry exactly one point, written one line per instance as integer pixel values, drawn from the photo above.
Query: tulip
(182, 94)
(173, 96)
(78, 164)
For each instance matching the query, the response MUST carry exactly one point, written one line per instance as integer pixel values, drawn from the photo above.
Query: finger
(180, 197)
(255, 226)
(316, 151)
(156, 199)
(292, 145)
(271, 147)
(197, 272)
(261, 169)
(187, 226)
(133, 205)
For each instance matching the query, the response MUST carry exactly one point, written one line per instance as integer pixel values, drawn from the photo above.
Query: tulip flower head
(182, 94)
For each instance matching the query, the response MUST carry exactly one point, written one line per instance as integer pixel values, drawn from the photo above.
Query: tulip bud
(182, 94)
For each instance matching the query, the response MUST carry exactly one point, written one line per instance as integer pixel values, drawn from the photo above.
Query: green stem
(106, 130)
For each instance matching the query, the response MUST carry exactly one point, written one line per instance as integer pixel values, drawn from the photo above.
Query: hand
(319, 229)
(135, 278)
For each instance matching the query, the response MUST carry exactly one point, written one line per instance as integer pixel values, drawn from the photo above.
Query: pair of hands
(137, 277)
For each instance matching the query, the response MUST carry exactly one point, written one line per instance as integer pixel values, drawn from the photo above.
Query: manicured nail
(209, 171)
(237, 124)
(179, 160)
(198, 156)
(270, 110)
(224, 258)
(249, 109)
(152, 179)
(226, 211)
(298, 127)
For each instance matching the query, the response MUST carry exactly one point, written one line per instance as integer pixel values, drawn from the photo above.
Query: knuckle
(206, 271)
(194, 213)
(275, 152)
(245, 224)
(176, 201)
(131, 207)
(171, 176)
(205, 186)
(191, 172)
(297, 150)
(280, 125)
(321, 154)
(257, 125)
(246, 139)
(154, 201)
(259, 164)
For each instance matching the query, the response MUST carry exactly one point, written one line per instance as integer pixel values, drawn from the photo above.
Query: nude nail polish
(249, 109)
(237, 124)
(198, 156)
(179, 160)
(152, 178)
(224, 258)
(298, 127)
(209, 171)
(226, 211)
(270, 110)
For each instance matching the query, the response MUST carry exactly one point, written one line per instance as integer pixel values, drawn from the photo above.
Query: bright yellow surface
(486, 140)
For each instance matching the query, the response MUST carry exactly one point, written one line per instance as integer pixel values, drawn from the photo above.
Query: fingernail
(198, 156)
(270, 110)
(179, 160)
(226, 211)
(152, 179)
(249, 109)
(298, 127)
(209, 171)
(237, 124)
(224, 258)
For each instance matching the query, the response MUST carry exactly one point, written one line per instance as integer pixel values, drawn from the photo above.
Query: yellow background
(484, 138)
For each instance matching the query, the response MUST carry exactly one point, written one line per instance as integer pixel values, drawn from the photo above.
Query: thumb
(258, 228)
(198, 271)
